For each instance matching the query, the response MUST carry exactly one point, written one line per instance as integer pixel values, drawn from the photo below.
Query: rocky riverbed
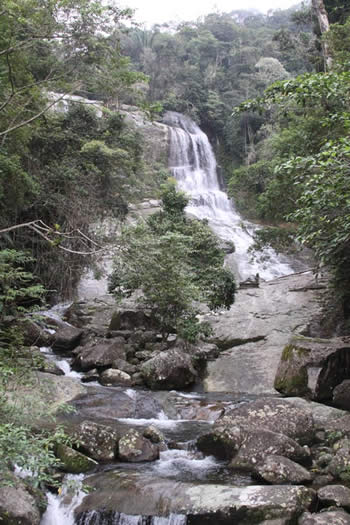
(232, 430)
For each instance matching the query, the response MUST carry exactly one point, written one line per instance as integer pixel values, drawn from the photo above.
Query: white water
(176, 463)
(193, 165)
(60, 509)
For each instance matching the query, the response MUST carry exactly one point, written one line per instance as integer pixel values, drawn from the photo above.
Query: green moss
(73, 461)
(291, 350)
(292, 384)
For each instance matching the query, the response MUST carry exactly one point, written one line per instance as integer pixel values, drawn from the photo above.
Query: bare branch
(44, 231)
(26, 122)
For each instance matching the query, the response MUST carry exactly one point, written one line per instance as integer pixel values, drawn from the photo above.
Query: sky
(158, 11)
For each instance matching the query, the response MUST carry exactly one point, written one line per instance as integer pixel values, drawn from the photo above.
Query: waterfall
(193, 165)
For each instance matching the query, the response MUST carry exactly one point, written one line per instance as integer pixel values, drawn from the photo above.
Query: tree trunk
(322, 16)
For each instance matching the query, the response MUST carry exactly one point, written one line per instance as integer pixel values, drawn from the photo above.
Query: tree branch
(28, 121)
(44, 231)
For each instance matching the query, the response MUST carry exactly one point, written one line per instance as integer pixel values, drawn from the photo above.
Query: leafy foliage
(19, 446)
(174, 261)
(307, 161)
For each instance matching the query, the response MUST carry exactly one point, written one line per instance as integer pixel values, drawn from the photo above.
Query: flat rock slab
(140, 494)
(253, 333)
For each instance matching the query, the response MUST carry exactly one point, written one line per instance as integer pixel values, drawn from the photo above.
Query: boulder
(94, 316)
(169, 370)
(33, 334)
(114, 377)
(341, 395)
(17, 506)
(97, 441)
(73, 461)
(153, 434)
(130, 319)
(279, 470)
(124, 366)
(99, 355)
(134, 447)
(259, 444)
(90, 376)
(247, 447)
(313, 367)
(334, 495)
(339, 466)
(337, 517)
(276, 415)
(67, 338)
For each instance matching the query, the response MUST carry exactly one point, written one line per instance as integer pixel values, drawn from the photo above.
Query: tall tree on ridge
(322, 17)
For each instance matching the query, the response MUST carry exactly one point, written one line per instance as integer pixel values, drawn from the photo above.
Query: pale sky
(159, 11)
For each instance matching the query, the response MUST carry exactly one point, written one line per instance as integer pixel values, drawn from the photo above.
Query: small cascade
(60, 508)
(95, 517)
(193, 165)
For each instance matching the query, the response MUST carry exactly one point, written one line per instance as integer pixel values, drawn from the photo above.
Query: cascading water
(193, 165)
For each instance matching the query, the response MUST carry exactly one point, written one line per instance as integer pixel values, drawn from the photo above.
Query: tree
(322, 17)
(174, 261)
(60, 35)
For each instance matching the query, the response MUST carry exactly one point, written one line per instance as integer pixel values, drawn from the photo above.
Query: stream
(180, 416)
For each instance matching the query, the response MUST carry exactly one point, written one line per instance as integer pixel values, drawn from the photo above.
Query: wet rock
(73, 461)
(338, 517)
(334, 495)
(169, 370)
(67, 338)
(17, 506)
(38, 361)
(153, 434)
(313, 367)
(90, 376)
(99, 355)
(134, 447)
(279, 470)
(276, 415)
(204, 503)
(341, 395)
(97, 441)
(114, 377)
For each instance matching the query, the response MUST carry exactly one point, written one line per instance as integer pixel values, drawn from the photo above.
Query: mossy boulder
(73, 461)
(313, 367)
